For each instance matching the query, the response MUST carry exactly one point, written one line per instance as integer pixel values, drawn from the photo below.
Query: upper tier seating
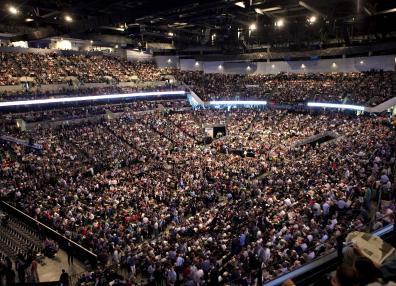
(365, 88)
(52, 68)
(368, 88)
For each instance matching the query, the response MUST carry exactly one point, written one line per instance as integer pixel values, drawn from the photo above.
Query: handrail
(79, 250)
(318, 263)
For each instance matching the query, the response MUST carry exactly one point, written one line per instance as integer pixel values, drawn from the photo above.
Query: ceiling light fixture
(68, 19)
(279, 23)
(240, 4)
(13, 10)
(252, 27)
(270, 9)
(312, 19)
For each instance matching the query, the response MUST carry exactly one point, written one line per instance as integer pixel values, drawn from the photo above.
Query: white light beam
(87, 98)
(335, 105)
(237, 102)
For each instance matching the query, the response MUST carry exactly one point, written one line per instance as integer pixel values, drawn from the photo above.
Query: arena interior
(221, 142)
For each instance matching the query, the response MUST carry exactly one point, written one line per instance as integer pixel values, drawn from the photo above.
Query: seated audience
(143, 190)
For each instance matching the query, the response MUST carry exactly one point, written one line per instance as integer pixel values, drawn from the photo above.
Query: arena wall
(356, 64)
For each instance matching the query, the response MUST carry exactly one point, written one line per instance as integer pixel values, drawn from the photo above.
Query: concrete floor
(51, 268)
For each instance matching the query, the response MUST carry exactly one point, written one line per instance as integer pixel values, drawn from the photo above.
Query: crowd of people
(366, 88)
(90, 111)
(142, 191)
(370, 88)
(25, 268)
(83, 91)
(355, 268)
(52, 68)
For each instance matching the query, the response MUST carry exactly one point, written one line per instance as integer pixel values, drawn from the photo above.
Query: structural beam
(312, 9)
(386, 11)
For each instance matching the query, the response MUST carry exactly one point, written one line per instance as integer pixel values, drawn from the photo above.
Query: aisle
(52, 268)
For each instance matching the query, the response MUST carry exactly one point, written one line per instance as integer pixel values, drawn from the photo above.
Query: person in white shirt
(316, 209)
(288, 202)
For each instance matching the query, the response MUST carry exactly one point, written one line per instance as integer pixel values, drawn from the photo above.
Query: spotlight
(280, 23)
(169, 61)
(13, 10)
(68, 19)
(303, 66)
(312, 19)
(213, 38)
(29, 20)
(240, 4)
(220, 67)
(273, 66)
(334, 65)
(361, 62)
(252, 27)
(170, 34)
(196, 64)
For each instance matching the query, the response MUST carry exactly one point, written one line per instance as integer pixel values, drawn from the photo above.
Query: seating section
(57, 114)
(364, 88)
(367, 88)
(17, 237)
(189, 124)
(144, 186)
(53, 68)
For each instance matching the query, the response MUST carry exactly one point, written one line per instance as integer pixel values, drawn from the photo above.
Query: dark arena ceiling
(229, 25)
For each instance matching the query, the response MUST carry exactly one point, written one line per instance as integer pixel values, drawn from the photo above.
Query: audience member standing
(70, 254)
(64, 278)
